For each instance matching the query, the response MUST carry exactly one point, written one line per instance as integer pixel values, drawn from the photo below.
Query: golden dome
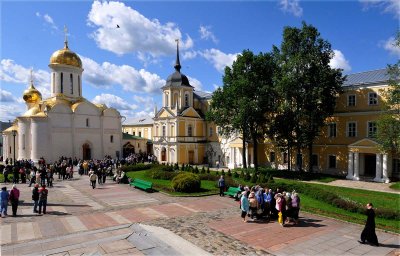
(32, 95)
(66, 57)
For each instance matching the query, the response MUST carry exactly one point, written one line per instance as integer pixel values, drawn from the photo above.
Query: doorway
(191, 157)
(163, 154)
(86, 152)
(370, 165)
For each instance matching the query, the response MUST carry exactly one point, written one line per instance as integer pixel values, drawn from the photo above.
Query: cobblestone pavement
(85, 220)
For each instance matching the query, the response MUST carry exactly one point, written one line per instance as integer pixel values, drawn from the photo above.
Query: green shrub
(242, 174)
(159, 174)
(254, 178)
(222, 172)
(247, 176)
(183, 167)
(235, 174)
(167, 168)
(208, 169)
(208, 176)
(196, 170)
(217, 173)
(186, 182)
(203, 170)
(176, 166)
(229, 173)
(137, 167)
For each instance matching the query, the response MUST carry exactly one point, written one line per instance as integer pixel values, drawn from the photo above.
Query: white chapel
(66, 124)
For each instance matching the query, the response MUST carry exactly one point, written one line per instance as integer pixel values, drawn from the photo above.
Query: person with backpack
(43, 194)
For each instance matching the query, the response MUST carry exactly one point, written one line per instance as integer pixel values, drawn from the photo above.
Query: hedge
(186, 182)
(137, 167)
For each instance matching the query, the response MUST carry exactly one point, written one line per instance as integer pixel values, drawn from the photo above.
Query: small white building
(66, 124)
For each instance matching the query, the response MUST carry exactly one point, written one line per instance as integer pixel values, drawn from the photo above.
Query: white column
(350, 167)
(385, 168)
(356, 166)
(378, 176)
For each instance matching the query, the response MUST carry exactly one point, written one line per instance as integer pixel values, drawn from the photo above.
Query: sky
(125, 67)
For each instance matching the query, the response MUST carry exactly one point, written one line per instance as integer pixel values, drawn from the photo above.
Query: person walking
(93, 179)
(43, 193)
(35, 198)
(221, 185)
(14, 198)
(4, 197)
(368, 234)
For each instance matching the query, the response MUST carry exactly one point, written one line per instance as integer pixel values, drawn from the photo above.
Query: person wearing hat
(43, 192)
(4, 196)
(35, 197)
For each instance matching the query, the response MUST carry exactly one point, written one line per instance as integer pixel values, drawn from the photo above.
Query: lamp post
(14, 133)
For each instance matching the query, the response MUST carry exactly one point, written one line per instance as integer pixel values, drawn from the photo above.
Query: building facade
(66, 124)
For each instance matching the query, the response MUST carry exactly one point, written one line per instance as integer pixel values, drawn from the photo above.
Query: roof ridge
(367, 71)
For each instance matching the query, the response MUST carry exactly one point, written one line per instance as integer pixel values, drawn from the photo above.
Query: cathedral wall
(24, 139)
(61, 143)
(39, 139)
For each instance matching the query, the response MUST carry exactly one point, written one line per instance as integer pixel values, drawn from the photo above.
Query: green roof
(127, 136)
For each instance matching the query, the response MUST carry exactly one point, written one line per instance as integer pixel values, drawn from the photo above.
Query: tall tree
(246, 100)
(308, 85)
(388, 132)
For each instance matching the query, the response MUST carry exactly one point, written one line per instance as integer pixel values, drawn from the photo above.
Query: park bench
(138, 183)
(232, 191)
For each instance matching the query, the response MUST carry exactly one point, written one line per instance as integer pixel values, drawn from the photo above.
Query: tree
(388, 132)
(308, 87)
(246, 100)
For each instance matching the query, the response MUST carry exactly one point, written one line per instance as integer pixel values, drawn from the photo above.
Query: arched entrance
(86, 152)
(163, 154)
(128, 149)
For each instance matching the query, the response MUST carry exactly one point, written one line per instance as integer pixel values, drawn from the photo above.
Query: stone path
(373, 186)
(117, 219)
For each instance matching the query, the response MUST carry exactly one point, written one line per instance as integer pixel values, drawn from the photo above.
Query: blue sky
(125, 67)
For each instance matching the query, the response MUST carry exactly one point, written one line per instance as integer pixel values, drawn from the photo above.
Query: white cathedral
(66, 124)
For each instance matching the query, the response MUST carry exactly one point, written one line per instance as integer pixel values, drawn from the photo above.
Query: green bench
(145, 185)
(232, 191)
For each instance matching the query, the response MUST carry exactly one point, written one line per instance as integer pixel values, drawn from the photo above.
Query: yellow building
(347, 145)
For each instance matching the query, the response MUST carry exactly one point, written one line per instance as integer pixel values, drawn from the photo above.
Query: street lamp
(14, 133)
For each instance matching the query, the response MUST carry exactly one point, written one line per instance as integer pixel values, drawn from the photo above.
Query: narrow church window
(79, 85)
(190, 131)
(112, 139)
(61, 83)
(71, 81)
(163, 131)
(87, 122)
(54, 81)
(186, 100)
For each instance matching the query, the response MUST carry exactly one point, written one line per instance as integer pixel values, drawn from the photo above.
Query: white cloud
(195, 83)
(291, 6)
(136, 33)
(49, 20)
(15, 73)
(219, 59)
(114, 101)
(187, 55)
(390, 45)
(205, 33)
(147, 103)
(11, 110)
(107, 74)
(6, 96)
(339, 61)
(388, 6)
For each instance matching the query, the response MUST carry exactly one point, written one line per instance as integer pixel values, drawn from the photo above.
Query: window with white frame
(190, 130)
(332, 161)
(372, 98)
(351, 129)
(332, 130)
(372, 129)
(351, 100)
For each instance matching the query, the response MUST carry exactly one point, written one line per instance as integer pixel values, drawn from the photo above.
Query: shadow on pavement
(396, 246)
(23, 203)
(57, 213)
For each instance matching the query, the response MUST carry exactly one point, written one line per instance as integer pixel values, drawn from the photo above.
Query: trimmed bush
(186, 182)
(196, 169)
(247, 176)
(208, 176)
(137, 167)
(176, 167)
(254, 178)
(235, 175)
(161, 175)
(242, 174)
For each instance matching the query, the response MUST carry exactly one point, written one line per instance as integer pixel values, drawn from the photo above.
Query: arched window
(54, 82)
(166, 99)
(186, 100)
(62, 83)
(79, 85)
(71, 82)
(190, 130)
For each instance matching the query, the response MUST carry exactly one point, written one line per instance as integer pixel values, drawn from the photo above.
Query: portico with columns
(365, 160)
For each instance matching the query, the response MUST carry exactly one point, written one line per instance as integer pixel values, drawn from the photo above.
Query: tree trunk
(298, 160)
(310, 149)
(288, 155)
(255, 144)
(244, 152)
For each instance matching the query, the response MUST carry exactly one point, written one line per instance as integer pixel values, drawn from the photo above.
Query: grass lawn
(208, 187)
(395, 186)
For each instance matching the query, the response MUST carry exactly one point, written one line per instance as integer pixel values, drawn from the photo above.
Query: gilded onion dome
(66, 57)
(32, 95)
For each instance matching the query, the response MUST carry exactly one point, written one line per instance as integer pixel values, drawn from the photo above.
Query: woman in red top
(14, 198)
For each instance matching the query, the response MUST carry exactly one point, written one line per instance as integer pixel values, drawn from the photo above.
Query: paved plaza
(116, 219)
